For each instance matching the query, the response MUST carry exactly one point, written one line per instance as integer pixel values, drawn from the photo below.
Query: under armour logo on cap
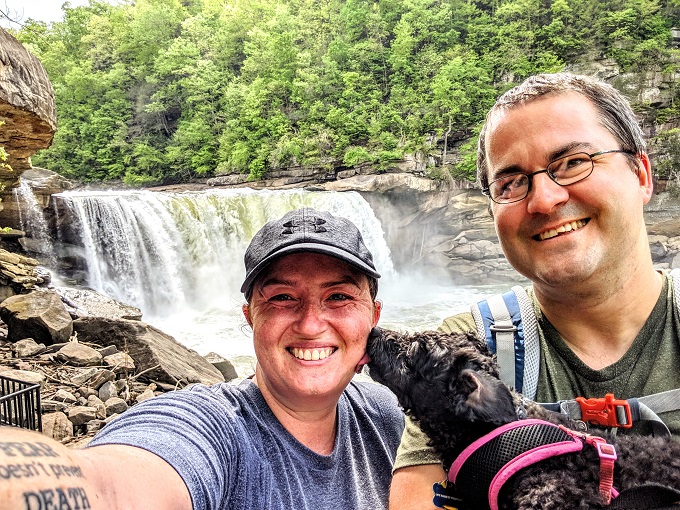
(296, 225)
(307, 230)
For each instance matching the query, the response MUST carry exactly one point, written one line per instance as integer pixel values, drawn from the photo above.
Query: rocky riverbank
(92, 358)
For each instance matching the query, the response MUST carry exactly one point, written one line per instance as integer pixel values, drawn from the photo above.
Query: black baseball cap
(306, 230)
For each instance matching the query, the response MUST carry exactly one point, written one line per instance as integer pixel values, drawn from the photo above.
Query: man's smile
(311, 354)
(562, 229)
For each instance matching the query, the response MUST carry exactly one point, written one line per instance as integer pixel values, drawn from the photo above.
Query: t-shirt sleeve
(168, 427)
(413, 449)
(461, 323)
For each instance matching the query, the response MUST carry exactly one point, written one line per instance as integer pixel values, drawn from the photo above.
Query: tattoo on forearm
(16, 452)
(71, 498)
(24, 449)
(25, 460)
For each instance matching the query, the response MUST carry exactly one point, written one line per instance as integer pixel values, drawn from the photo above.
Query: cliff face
(27, 107)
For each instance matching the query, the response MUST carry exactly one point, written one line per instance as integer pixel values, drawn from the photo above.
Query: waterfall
(178, 255)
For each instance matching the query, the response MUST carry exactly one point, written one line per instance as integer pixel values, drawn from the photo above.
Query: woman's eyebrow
(275, 281)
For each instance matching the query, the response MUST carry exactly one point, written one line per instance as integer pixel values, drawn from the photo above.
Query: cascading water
(179, 258)
(33, 223)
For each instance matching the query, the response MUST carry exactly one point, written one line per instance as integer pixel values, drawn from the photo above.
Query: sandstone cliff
(27, 107)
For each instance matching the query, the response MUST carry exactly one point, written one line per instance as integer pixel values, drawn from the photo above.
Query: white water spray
(32, 221)
(179, 256)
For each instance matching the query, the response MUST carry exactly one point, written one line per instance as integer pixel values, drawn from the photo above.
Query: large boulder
(82, 302)
(27, 107)
(40, 315)
(160, 356)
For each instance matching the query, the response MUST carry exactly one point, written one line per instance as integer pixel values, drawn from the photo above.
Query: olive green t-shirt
(651, 365)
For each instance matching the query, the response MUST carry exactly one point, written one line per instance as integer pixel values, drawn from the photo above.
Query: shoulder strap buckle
(500, 327)
(606, 411)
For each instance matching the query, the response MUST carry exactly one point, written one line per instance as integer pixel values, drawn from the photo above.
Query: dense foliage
(165, 90)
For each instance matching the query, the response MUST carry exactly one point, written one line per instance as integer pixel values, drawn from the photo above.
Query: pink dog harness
(482, 469)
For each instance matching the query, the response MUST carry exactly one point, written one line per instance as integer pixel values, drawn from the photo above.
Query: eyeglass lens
(564, 171)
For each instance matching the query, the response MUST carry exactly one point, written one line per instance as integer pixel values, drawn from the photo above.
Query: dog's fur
(448, 383)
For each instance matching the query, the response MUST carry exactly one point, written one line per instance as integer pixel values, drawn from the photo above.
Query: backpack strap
(675, 276)
(508, 323)
(610, 412)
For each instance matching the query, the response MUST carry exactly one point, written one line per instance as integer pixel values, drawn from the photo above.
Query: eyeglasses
(563, 171)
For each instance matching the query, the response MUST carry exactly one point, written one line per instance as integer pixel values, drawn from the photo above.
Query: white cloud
(40, 10)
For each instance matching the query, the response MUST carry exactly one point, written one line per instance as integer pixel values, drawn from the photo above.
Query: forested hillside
(156, 91)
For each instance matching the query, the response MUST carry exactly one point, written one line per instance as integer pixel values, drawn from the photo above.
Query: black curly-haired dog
(449, 384)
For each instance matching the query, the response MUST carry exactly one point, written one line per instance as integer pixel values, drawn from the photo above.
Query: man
(564, 163)
(299, 435)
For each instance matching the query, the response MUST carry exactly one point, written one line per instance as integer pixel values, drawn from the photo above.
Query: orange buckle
(603, 411)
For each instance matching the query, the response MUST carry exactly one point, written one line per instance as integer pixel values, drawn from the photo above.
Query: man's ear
(644, 172)
(246, 314)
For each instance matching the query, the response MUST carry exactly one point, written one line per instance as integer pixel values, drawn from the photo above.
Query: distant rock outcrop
(19, 274)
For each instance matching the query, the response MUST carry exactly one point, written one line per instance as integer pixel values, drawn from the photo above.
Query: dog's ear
(488, 398)
(473, 384)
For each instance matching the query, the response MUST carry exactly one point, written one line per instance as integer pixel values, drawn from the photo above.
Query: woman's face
(311, 315)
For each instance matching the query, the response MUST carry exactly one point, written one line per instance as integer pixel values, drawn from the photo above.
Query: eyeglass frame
(486, 190)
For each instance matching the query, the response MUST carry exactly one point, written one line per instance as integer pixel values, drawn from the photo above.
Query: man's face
(598, 221)
(311, 315)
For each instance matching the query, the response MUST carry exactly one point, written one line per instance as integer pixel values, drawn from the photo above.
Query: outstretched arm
(37, 472)
(412, 487)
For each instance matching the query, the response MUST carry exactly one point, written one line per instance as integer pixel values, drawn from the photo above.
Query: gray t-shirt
(233, 453)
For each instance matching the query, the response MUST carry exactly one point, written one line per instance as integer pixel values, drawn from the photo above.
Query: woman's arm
(412, 487)
(38, 473)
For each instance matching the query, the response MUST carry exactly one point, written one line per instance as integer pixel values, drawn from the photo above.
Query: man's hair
(615, 112)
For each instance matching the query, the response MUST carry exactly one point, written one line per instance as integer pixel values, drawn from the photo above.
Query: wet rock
(79, 355)
(39, 315)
